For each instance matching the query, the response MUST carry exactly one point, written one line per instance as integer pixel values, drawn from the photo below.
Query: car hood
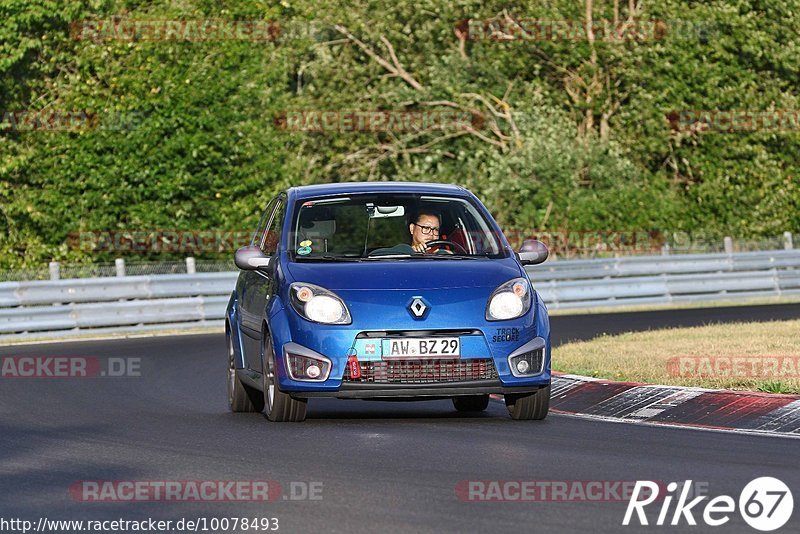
(405, 274)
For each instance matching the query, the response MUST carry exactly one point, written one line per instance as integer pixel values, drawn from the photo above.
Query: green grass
(743, 356)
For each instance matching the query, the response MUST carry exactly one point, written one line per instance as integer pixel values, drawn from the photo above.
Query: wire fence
(101, 270)
(604, 245)
(563, 246)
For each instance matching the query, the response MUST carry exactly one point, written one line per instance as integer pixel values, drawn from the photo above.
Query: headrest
(312, 214)
(319, 229)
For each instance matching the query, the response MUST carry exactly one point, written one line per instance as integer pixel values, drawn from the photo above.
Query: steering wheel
(437, 242)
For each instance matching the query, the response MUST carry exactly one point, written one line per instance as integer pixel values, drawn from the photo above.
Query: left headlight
(510, 300)
(318, 304)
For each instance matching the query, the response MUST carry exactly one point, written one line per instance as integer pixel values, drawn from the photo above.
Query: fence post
(119, 263)
(191, 267)
(787, 241)
(728, 244)
(665, 249)
(55, 270)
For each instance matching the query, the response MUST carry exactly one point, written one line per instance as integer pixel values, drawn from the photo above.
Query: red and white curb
(711, 409)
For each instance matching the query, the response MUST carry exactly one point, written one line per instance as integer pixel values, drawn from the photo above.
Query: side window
(263, 222)
(478, 236)
(270, 240)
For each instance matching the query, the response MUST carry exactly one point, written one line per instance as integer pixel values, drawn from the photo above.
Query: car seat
(318, 228)
(458, 237)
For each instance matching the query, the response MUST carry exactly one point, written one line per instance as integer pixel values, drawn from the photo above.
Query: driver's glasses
(426, 230)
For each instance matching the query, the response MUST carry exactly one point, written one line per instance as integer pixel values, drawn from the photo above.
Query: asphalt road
(383, 467)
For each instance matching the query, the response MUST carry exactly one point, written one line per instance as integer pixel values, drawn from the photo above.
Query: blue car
(385, 291)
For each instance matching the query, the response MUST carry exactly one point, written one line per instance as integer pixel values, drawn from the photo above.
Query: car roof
(346, 188)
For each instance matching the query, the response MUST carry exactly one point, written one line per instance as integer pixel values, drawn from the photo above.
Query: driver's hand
(419, 248)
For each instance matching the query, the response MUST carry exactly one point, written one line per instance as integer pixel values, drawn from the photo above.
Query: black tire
(279, 407)
(526, 407)
(241, 398)
(471, 403)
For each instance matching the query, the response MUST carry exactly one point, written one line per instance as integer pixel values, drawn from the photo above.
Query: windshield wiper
(328, 257)
(447, 257)
(385, 256)
(416, 256)
(420, 256)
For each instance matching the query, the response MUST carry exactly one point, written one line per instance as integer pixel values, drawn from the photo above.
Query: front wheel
(241, 398)
(533, 406)
(279, 406)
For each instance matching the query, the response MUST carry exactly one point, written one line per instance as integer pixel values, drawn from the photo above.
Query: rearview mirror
(533, 252)
(380, 212)
(250, 258)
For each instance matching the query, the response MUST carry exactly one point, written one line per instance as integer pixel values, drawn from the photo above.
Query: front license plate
(413, 347)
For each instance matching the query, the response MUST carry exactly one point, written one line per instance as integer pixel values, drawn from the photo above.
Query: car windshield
(379, 227)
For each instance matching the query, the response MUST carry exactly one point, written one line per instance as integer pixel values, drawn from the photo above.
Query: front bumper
(482, 368)
(420, 391)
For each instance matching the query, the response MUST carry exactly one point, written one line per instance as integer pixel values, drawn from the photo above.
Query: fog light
(525, 362)
(313, 371)
(301, 367)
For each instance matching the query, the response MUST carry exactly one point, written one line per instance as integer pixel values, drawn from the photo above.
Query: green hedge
(186, 135)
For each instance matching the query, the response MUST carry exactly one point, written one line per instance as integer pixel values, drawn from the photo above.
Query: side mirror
(533, 252)
(250, 258)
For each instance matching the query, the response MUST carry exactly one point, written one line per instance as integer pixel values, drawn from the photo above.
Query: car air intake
(424, 371)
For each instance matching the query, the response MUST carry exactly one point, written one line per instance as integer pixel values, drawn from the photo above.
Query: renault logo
(418, 308)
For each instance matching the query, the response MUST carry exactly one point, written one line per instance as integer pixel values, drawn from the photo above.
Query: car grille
(424, 371)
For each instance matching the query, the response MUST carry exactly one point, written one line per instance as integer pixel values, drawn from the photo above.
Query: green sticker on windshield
(304, 251)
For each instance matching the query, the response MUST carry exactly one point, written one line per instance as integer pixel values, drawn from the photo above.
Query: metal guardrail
(131, 302)
(81, 290)
(664, 279)
(40, 306)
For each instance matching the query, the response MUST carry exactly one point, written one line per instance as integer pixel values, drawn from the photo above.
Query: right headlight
(510, 300)
(318, 304)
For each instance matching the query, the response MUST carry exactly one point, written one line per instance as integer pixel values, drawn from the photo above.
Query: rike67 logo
(765, 504)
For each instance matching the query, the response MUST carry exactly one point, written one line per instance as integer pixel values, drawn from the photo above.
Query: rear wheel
(279, 406)
(471, 403)
(534, 406)
(241, 398)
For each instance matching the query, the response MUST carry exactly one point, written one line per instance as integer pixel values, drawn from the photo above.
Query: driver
(426, 228)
